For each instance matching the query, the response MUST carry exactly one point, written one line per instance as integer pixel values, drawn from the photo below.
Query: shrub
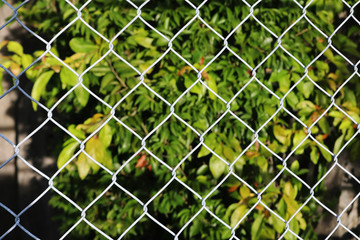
(131, 115)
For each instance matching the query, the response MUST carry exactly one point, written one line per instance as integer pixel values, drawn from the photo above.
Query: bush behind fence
(190, 119)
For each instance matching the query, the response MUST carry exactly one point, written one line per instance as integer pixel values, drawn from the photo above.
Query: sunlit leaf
(67, 153)
(67, 77)
(256, 227)
(83, 166)
(237, 215)
(80, 45)
(39, 86)
(217, 167)
(105, 135)
(15, 47)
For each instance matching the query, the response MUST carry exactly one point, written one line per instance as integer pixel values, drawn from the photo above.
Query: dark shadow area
(20, 185)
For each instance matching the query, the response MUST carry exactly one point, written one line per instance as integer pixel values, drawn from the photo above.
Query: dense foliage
(145, 171)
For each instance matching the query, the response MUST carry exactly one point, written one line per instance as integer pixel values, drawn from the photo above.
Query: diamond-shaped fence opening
(171, 77)
(247, 32)
(287, 14)
(198, 33)
(198, 115)
(318, 7)
(147, 106)
(180, 119)
(160, 15)
(175, 143)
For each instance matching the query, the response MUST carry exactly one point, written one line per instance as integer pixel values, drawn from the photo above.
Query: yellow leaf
(292, 205)
(237, 215)
(97, 151)
(229, 154)
(67, 153)
(212, 85)
(40, 86)
(281, 134)
(244, 191)
(217, 167)
(105, 135)
(83, 166)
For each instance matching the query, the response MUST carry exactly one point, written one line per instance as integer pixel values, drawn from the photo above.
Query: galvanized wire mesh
(197, 16)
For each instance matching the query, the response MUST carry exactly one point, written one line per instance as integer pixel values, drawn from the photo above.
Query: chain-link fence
(285, 161)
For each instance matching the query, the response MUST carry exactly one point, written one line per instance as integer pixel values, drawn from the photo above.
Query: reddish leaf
(233, 188)
(325, 136)
(149, 168)
(141, 162)
(201, 61)
(249, 72)
(205, 75)
(251, 154)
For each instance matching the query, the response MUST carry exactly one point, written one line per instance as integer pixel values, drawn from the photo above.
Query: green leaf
(324, 125)
(77, 132)
(82, 95)
(211, 142)
(294, 226)
(237, 215)
(322, 66)
(203, 152)
(298, 137)
(314, 155)
(281, 134)
(345, 124)
(195, 228)
(212, 84)
(336, 114)
(277, 223)
(290, 236)
(282, 208)
(244, 191)
(267, 233)
(292, 99)
(217, 167)
(105, 135)
(67, 77)
(67, 153)
(262, 162)
(195, 89)
(15, 47)
(283, 78)
(26, 60)
(306, 104)
(235, 144)
(325, 154)
(68, 12)
(289, 190)
(307, 89)
(201, 124)
(256, 227)
(229, 153)
(106, 82)
(202, 170)
(292, 205)
(295, 166)
(143, 41)
(338, 144)
(80, 45)
(39, 86)
(83, 166)
(97, 151)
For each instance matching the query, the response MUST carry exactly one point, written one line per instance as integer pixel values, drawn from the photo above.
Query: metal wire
(197, 16)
